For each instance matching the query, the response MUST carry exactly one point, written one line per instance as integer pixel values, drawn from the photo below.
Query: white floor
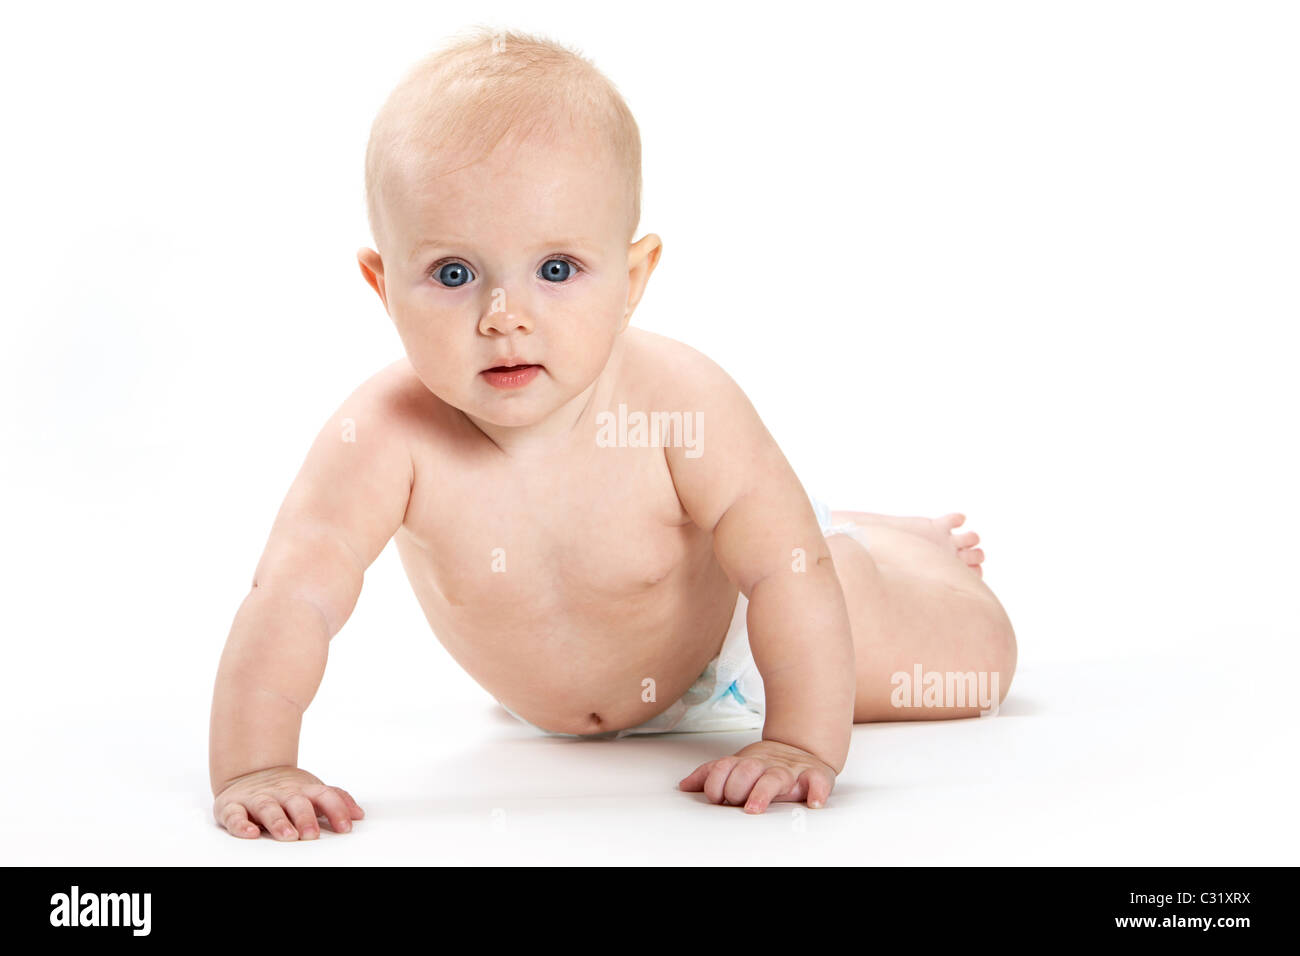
(1056, 777)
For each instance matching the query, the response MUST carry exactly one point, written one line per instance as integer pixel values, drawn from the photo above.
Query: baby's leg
(914, 601)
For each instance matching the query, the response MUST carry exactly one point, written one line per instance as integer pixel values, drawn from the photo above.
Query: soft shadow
(528, 768)
(503, 717)
(1012, 707)
(1021, 706)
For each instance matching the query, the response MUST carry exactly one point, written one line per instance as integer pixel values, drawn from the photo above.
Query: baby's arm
(742, 487)
(347, 501)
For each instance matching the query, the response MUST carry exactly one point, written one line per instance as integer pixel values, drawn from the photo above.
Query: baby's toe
(950, 521)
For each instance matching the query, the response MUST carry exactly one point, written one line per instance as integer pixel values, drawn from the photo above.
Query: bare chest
(605, 527)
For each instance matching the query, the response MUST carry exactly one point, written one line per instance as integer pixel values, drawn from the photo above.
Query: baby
(596, 523)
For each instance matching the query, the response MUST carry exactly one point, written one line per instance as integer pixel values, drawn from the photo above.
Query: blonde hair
(487, 84)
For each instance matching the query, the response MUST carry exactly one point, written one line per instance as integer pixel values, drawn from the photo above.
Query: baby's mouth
(511, 376)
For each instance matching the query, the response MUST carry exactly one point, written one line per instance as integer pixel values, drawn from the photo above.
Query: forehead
(519, 191)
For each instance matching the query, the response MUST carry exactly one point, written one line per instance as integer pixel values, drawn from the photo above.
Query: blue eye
(453, 274)
(556, 270)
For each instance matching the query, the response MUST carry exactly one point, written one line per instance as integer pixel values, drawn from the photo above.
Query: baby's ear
(642, 257)
(644, 253)
(372, 270)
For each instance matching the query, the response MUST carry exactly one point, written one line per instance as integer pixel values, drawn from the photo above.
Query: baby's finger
(303, 815)
(741, 780)
(335, 809)
(353, 807)
(235, 820)
(819, 785)
(715, 783)
(268, 812)
(773, 783)
(695, 779)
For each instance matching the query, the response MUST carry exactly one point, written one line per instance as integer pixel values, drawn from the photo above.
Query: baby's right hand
(277, 795)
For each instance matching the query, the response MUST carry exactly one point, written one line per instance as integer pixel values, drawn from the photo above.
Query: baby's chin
(505, 409)
(514, 414)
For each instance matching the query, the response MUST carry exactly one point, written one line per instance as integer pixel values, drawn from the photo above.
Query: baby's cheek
(433, 368)
(592, 352)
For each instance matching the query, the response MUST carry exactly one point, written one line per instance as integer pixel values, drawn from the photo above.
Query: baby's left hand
(761, 773)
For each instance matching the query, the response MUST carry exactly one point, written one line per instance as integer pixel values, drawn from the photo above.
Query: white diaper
(728, 695)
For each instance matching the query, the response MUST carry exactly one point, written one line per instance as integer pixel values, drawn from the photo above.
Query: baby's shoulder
(395, 400)
(674, 368)
(673, 374)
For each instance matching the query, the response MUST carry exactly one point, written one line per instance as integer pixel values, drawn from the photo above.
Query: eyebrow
(426, 243)
(556, 244)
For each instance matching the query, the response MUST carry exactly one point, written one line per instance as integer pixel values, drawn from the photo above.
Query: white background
(1035, 262)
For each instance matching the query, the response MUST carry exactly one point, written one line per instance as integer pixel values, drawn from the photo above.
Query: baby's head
(503, 181)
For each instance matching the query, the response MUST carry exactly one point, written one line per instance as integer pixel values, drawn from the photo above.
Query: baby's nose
(503, 320)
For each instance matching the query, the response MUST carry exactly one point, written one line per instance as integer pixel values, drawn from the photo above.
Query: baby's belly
(573, 661)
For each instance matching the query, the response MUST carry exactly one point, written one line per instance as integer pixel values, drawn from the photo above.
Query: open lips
(511, 375)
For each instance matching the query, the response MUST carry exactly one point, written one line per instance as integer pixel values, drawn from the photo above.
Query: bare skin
(557, 572)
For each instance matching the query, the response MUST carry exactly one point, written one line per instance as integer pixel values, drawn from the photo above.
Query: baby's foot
(937, 530)
(941, 532)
